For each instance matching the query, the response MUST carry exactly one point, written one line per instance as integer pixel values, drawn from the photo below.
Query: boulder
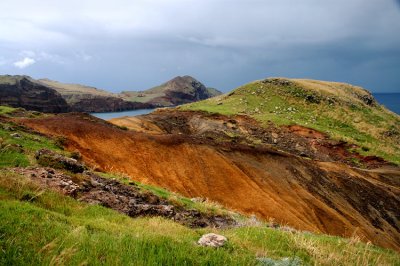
(212, 240)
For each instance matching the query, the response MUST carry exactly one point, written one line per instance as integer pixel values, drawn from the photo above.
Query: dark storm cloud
(124, 45)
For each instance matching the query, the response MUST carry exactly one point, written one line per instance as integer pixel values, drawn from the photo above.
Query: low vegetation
(18, 145)
(343, 111)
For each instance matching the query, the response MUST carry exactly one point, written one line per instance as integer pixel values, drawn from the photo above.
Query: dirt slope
(328, 197)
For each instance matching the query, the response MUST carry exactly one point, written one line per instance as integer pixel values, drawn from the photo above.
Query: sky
(137, 44)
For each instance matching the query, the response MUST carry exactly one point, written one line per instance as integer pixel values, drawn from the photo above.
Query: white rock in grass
(212, 240)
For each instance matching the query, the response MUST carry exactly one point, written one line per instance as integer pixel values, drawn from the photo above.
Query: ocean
(390, 100)
(107, 116)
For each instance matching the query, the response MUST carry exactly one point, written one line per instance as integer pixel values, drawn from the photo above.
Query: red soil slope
(326, 197)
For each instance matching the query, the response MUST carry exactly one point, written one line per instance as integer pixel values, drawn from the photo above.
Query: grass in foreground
(41, 227)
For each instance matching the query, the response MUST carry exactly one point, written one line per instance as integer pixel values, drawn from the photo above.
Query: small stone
(63, 184)
(212, 240)
(16, 135)
(49, 175)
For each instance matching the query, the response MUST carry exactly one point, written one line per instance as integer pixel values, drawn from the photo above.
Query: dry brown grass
(343, 252)
(67, 89)
(333, 88)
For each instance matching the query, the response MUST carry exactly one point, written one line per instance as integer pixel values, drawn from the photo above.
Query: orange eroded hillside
(323, 197)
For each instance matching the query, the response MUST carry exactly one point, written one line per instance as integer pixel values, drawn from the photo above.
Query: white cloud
(27, 61)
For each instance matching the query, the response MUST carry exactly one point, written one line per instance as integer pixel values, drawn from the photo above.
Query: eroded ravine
(309, 195)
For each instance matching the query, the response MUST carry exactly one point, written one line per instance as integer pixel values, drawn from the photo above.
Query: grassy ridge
(334, 108)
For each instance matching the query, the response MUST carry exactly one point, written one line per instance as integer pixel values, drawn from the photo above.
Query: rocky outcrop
(22, 91)
(126, 199)
(52, 159)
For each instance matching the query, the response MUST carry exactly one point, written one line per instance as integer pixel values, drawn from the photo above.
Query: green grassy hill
(343, 111)
(41, 227)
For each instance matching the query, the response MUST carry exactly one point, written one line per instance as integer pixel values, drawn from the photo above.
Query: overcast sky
(132, 45)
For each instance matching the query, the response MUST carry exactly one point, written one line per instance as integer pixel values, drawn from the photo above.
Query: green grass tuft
(6, 110)
(19, 150)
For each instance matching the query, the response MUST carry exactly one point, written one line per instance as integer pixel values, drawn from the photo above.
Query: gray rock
(212, 240)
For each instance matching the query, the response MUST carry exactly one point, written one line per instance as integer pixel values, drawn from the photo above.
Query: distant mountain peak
(179, 90)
